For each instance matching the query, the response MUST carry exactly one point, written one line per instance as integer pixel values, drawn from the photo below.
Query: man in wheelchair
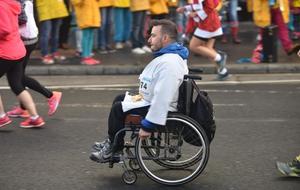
(158, 90)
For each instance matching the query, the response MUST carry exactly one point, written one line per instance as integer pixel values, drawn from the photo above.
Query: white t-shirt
(29, 30)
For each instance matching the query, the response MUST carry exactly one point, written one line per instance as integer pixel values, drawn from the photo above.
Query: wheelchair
(174, 154)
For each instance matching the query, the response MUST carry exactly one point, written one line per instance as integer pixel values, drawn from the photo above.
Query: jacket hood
(15, 6)
(175, 48)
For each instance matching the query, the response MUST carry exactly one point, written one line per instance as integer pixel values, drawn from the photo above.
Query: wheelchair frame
(158, 151)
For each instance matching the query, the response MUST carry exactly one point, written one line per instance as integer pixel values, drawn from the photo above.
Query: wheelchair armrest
(194, 77)
(196, 70)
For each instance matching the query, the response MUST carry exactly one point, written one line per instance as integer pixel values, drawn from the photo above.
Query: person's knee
(119, 98)
(117, 109)
(17, 89)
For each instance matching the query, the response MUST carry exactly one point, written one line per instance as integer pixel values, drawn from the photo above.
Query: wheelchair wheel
(129, 177)
(170, 157)
(134, 165)
(179, 134)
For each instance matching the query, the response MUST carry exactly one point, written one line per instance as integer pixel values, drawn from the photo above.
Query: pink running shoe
(53, 102)
(30, 123)
(5, 121)
(58, 56)
(96, 61)
(18, 112)
(89, 61)
(48, 60)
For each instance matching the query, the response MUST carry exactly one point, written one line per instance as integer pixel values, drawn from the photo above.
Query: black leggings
(14, 72)
(31, 82)
(117, 117)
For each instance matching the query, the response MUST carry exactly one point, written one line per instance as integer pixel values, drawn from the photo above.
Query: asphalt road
(257, 124)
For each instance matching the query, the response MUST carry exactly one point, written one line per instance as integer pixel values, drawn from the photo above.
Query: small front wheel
(129, 177)
(133, 164)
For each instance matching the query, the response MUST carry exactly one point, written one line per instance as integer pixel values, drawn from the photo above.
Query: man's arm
(164, 92)
(168, 81)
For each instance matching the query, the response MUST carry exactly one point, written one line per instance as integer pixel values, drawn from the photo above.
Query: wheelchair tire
(173, 163)
(129, 177)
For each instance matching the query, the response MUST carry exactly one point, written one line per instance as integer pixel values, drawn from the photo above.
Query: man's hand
(144, 134)
(299, 53)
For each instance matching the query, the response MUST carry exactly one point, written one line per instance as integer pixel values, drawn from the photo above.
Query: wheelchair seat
(133, 119)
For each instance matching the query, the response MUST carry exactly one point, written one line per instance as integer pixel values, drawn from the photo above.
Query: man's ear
(165, 37)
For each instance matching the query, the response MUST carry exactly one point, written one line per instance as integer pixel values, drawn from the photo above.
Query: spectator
(76, 34)
(265, 14)
(139, 9)
(172, 6)
(181, 21)
(50, 14)
(230, 20)
(105, 30)
(158, 9)
(295, 19)
(65, 27)
(122, 21)
(88, 18)
(11, 55)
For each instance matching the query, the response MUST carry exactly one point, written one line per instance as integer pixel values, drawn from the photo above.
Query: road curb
(137, 69)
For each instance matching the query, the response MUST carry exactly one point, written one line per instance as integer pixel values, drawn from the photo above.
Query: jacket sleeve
(166, 87)
(5, 23)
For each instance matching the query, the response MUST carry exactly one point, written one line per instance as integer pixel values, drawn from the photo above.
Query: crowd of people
(122, 23)
(118, 24)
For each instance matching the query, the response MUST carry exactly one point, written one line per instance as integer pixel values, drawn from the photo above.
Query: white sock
(2, 115)
(34, 117)
(218, 57)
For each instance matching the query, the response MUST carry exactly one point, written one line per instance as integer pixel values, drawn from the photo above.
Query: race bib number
(145, 84)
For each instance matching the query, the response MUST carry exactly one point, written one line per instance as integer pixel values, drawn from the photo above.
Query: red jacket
(212, 22)
(11, 45)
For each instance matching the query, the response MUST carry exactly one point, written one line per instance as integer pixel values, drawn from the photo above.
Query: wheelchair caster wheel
(129, 177)
(134, 165)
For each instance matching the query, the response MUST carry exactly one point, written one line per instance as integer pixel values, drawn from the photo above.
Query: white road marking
(128, 86)
(94, 105)
(263, 120)
(97, 105)
(238, 105)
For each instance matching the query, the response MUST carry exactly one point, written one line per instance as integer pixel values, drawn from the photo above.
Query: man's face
(156, 38)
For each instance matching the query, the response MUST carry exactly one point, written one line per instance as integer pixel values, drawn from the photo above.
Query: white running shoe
(138, 51)
(146, 49)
